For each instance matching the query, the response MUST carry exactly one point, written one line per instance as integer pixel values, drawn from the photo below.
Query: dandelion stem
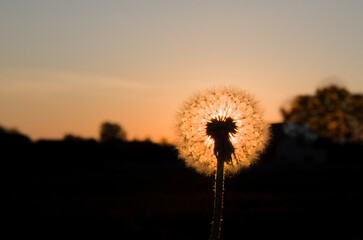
(218, 200)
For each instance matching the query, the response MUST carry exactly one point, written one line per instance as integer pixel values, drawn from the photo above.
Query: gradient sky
(66, 66)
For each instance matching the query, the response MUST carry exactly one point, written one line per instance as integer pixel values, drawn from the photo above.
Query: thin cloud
(45, 79)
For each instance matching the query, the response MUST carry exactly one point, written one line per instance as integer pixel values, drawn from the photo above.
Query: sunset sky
(67, 66)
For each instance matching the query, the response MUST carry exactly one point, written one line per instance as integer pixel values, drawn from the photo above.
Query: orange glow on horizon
(45, 108)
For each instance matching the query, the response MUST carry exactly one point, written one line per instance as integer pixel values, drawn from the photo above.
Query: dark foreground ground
(171, 202)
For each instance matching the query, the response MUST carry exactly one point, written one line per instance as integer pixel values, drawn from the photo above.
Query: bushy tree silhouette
(333, 112)
(72, 138)
(12, 137)
(112, 132)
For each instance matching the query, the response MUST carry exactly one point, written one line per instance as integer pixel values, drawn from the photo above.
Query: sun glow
(249, 139)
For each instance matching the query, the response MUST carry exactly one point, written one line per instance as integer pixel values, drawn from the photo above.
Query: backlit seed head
(224, 121)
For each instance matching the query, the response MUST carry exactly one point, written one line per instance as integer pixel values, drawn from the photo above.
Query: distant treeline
(73, 153)
(23, 156)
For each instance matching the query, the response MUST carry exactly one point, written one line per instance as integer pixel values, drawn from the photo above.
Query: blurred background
(89, 92)
(306, 185)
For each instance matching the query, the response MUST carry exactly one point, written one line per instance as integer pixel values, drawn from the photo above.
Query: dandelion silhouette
(220, 132)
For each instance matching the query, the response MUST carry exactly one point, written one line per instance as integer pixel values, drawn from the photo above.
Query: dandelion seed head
(249, 137)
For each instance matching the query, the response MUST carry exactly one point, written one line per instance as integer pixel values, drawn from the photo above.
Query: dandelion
(221, 131)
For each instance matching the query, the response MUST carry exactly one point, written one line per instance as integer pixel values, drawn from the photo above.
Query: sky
(67, 66)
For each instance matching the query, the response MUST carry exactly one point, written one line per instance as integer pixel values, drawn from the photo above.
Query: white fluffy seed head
(197, 148)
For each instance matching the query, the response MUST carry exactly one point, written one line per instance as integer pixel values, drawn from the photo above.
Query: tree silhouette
(12, 137)
(112, 132)
(333, 112)
(72, 138)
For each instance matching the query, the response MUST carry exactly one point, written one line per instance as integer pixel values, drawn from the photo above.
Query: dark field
(168, 201)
